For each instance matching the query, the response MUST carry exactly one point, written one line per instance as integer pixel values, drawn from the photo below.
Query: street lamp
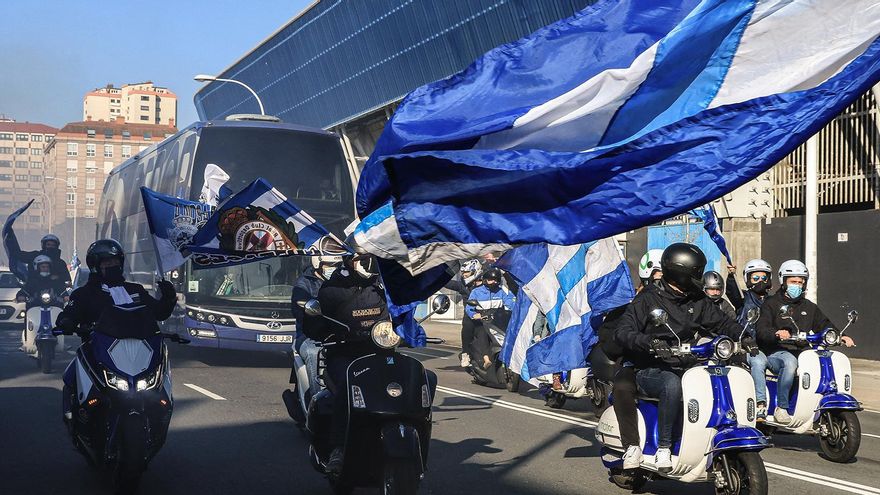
(207, 78)
(74, 208)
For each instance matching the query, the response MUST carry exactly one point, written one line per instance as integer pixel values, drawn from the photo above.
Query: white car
(11, 312)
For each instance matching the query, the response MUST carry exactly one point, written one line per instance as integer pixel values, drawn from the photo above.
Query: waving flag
(629, 112)
(214, 189)
(710, 225)
(258, 223)
(10, 243)
(173, 223)
(572, 286)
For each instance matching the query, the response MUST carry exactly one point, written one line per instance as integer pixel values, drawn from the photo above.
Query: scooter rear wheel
(747, 474)
(844, 436)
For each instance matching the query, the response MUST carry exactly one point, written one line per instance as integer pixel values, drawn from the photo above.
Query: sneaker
(632, 459)
(781, 416)
(465, 360)
(761, 413)
(663, 460)
(334, 464)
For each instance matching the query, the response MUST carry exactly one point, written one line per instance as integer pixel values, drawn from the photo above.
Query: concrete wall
(743, 236)
(847, 274)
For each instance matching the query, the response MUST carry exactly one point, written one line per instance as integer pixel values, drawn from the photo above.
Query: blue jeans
(309, 353)
(784, 365)
(666, 386)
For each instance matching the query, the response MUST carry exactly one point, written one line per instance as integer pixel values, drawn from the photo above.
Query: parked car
(11, 312)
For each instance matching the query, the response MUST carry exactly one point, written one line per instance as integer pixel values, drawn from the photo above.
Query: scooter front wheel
(841, 435)
(744, 474)
(401, 477)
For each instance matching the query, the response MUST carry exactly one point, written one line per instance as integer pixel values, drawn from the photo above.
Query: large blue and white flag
(627, 113)
(258, 223)
(17, 266)
(572, 286)
(173, 222)
(710, 225)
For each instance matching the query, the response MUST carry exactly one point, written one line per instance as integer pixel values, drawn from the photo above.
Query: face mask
(794, 291)
(327, 272)
(493, 287)
(45, 274)
(112, 275)
(760, 288)
(53, 252)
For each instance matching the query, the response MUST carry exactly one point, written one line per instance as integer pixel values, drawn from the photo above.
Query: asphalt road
(231, 434)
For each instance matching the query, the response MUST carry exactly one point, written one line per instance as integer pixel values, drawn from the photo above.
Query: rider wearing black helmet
(50, 245)
(490, 295)
(648, 346)
(713, 286)
(107, 287)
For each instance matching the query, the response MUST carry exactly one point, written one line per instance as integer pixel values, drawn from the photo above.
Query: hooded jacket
(806, 315)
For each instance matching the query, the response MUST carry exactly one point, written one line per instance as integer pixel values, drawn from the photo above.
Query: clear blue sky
(54, 51)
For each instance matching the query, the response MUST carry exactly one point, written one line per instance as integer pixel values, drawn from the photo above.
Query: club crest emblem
(255, 229)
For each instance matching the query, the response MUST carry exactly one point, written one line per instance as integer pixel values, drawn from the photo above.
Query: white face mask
(44, 274)
(327, 272)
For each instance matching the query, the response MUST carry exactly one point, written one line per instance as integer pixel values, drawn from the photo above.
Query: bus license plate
(275, 339)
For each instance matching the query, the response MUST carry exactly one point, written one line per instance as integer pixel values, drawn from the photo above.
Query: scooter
(389, 414)
(38, 340)
(716, 440)
(593, 382)
(117, 394)
(821, 401)
(496, 375)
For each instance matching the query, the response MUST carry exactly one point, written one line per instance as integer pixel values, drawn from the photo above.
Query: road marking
(407, 351)
(871, 411)
(771, 468)
(203, 391)
(870, 435)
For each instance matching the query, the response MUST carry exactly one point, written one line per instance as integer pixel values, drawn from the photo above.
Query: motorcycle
(593, 382)
(496, 375)
(821, 401)
(389, 411)
(117, 394)
(38, 340)
(716, 440)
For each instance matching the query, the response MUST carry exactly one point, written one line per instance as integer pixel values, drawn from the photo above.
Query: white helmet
(793, 268)
(650, 263)
(42, 259)
(756, 266)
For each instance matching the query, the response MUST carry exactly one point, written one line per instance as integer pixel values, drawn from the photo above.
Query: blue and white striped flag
(627, 113)
(573, 286)
(173, 222)
(258, 223)
(710, 225)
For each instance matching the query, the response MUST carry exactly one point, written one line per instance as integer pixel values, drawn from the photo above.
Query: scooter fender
(401, 441)
(844, 402)
(742, 438)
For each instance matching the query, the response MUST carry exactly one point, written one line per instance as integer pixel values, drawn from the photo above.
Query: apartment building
(139, 103)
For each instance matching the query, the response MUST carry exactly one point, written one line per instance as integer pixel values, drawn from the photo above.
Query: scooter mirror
(785, 310)
(852, 316)
(753, 315)
(440, 304)
(312, 307)
(659, 317)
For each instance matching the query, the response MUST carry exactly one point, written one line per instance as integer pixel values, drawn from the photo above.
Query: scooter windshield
(136, 322)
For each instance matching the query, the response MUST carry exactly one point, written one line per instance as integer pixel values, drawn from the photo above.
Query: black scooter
(490, 339)
(389, 413)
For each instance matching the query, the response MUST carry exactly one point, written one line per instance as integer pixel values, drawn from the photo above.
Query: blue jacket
(487, 299)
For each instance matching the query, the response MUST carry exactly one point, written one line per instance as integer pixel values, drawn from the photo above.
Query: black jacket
(305, 289)
(690, 316)
(805, 314)
(58, 268)
(725, 307)
(89, 301)
(353, 301)
(37, 284)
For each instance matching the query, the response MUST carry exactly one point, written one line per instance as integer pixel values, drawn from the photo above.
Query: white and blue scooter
(821, 402)
(716, 440)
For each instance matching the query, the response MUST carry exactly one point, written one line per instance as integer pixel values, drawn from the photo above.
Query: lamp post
(73, 188)
(207, 78)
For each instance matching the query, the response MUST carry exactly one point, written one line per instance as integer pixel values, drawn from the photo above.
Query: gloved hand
(166, 288)
(749, 345)
(802, 344)
(66, 325)
(661, 349)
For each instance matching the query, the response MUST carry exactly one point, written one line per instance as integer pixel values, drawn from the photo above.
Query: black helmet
(492, 274)
(683, 266)
(102, 250)
(712, 280)
(49, 238)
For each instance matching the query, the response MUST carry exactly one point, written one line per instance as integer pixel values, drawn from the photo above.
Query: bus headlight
(831, 337)
(723, 349)
(384, 335)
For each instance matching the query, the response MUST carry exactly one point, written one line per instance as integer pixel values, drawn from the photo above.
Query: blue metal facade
(343, 58)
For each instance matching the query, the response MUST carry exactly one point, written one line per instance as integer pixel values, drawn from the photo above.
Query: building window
(89, 214)
(20, 177)
(5, 176)
(36, 178)
(70, 213)
(35, 218)
(145, 98)
(72, 149)
(71, 182)
(145, 117)
(126, 135)
(21, 164)
(36, 151)
(5, 136)
(5, 164)
(90, 133)
(90, 149)
(90, 199)
(21, 151)
(126, 151)
(21, 137)
(91, 168)
(36, 165)
(72, 166)
(90, 183)
(108, 166)
(145, 107)
(108, 133)
(37, 138)
(5, 151)
(71, 200)
(108, 151)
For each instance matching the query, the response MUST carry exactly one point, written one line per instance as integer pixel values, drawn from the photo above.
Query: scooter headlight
(46, 298)
(831, 337)
(724, 349)
(384, 335)
(115, 382)
(150, 382)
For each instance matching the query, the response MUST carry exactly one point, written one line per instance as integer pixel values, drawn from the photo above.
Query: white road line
(771, 468)
(408, 351)
(871, 411)
(870, 435)
(203, 391)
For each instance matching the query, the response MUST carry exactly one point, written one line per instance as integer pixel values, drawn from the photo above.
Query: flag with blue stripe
(573, 286)
(710, 225)
(17, 266)
(627, 113)
(257, 223)
(173, 222)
